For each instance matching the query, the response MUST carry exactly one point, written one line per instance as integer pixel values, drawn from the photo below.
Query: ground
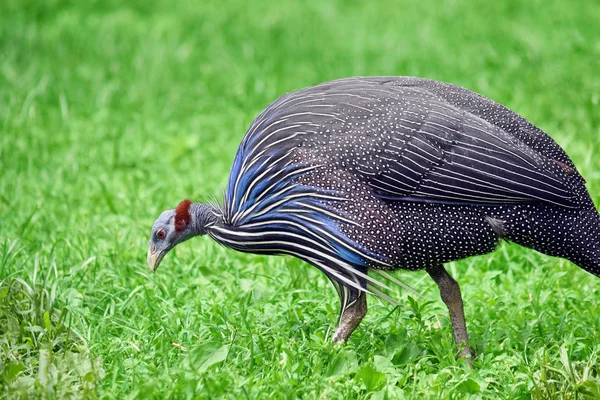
(111, 112)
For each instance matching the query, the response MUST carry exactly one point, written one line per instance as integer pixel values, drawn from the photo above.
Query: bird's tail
(571, 234)
(586, 246)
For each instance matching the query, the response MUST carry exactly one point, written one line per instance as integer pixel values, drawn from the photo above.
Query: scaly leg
(353, 309)
(450, 293)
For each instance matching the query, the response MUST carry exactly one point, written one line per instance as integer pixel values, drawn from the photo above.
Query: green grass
(112, 111)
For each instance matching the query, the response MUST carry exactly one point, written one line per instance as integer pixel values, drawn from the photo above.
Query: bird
(374, 174)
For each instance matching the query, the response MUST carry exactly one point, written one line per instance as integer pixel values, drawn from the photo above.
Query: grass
(111, 112)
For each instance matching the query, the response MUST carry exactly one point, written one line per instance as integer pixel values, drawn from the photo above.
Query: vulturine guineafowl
(384, 173)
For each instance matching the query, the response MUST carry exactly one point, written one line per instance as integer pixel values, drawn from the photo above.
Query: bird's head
(176, 226)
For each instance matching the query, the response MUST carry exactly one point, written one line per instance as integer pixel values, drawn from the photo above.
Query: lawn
(112, 111)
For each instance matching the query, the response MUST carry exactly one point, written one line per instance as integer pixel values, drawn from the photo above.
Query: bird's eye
(160, 234)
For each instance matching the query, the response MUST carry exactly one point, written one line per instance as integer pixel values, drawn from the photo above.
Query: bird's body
(415, 170)
(398, 172)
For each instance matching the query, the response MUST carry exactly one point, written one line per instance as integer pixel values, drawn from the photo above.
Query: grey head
(176, 226)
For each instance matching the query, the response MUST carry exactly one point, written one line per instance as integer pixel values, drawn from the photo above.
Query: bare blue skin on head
(164, 236)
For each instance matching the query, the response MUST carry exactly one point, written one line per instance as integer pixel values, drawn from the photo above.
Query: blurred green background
(113, 111)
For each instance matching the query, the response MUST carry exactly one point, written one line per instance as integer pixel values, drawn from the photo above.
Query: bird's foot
(342, 333)
(467, 355)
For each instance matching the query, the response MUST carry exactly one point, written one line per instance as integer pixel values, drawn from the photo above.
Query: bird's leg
(353, 309)
(450, 293)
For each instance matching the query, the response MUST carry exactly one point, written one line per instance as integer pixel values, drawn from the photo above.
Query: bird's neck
(203, 216)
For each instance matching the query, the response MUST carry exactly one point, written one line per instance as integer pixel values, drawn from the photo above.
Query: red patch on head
(182, 215)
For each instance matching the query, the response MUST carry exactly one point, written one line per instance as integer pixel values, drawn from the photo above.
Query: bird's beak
(154, 257)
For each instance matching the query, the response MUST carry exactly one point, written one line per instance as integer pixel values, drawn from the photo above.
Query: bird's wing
(439, 153)
(486, 109)
(410, 141)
